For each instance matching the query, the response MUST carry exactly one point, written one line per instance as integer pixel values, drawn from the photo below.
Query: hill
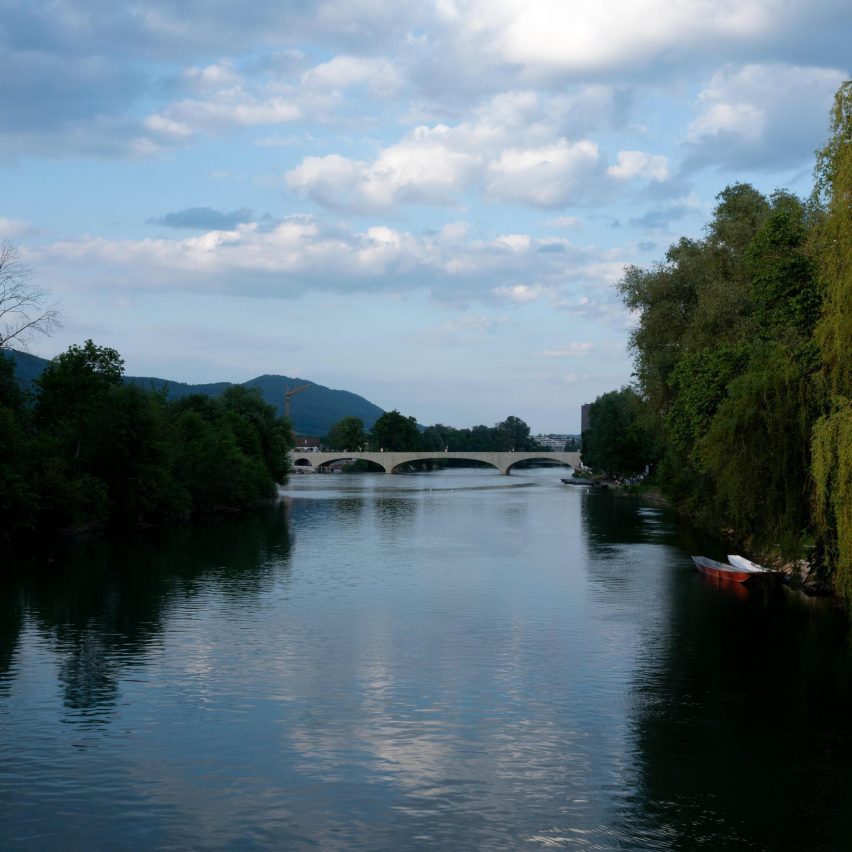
(313, 411)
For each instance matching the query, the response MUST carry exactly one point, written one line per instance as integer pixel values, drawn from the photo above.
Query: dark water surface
(450, 660)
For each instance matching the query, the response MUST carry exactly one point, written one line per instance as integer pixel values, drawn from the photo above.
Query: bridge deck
(390, 462)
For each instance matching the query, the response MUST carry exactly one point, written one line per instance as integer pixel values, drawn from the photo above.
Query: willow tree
(832, 435)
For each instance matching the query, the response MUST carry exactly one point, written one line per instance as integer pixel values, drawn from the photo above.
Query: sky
(426, 203)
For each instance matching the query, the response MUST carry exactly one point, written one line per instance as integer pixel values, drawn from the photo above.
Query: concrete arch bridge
(392, 462)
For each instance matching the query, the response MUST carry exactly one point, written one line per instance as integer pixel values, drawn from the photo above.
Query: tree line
(742, 398)
(396, 432)
(87, 450)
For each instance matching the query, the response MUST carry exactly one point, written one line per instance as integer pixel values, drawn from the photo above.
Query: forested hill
(313, 411)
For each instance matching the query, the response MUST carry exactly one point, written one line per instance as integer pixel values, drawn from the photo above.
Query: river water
(452, 660)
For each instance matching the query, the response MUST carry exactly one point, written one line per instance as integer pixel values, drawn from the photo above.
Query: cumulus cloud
(545, 177)
(510, 151)
(633, 164)
(302, 254)
(85, 69)
(549, 37)
(761, 116)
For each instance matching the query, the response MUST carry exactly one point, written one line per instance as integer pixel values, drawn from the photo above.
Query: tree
(392, 431)
(18, 504)
(512, 434)
(617, 441)
(756, 451)
(832, 434)
(24, 308)
(73, 390)
(347, 434)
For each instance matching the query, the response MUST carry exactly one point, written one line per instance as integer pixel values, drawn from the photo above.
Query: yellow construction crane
(289, 394)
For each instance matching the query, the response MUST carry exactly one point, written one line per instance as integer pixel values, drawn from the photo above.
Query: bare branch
(24, 308)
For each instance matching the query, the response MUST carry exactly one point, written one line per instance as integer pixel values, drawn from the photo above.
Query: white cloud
(633, 164)
(544, 177)
(10, 228)
(762, 115)
(521, 293)
(588, 37)
(224, 110)
(302, 254)
(378, 74)
(510, 151)
(425, 167)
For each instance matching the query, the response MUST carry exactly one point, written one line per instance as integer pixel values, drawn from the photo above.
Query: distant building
(308, 444)
(584, 416)
(553, 442)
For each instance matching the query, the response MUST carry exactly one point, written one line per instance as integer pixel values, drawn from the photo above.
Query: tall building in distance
(584, 416)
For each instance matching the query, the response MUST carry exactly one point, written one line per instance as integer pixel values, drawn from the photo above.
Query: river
(448, 660)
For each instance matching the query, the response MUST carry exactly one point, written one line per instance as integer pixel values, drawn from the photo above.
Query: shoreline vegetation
(741, 408)
(88, 452)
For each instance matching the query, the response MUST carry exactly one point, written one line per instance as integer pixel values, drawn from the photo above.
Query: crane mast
(289, 394)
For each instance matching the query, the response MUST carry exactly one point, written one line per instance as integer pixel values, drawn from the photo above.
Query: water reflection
(742, 722)
(104, 609)
(458, 660)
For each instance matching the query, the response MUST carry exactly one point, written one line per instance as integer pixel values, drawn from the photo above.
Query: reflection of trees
(742, 727)
(12, 609)
(107, 603)
(612, 519)
(392, 513)
(741, 699)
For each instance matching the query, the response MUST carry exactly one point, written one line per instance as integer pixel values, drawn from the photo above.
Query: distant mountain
(313, 411)
(27, 367)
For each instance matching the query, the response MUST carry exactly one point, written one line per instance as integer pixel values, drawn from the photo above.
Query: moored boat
(722, 571)
(744, 564)
(577, 480)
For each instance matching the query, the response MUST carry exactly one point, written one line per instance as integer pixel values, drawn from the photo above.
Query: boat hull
(711, 568)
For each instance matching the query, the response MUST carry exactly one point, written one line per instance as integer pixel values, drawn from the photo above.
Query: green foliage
(505, 436)
(785, 300)
(18, 507)
(346, 434)
(724, 356)
(393, 431)
(513, 435)
(699, 382)
(618, 440)
(756, 451)
(832, 473)
(93, 450)
(743, 351)
(832, 435)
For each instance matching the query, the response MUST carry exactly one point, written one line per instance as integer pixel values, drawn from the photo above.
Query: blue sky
(427, 203)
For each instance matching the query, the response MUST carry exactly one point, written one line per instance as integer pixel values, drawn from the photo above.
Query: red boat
(721, 571)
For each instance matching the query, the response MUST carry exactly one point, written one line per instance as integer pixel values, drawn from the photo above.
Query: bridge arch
(530, 457)
(442, 457)
(331, 458)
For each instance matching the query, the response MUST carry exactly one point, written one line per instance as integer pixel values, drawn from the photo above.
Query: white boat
(747, 565)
